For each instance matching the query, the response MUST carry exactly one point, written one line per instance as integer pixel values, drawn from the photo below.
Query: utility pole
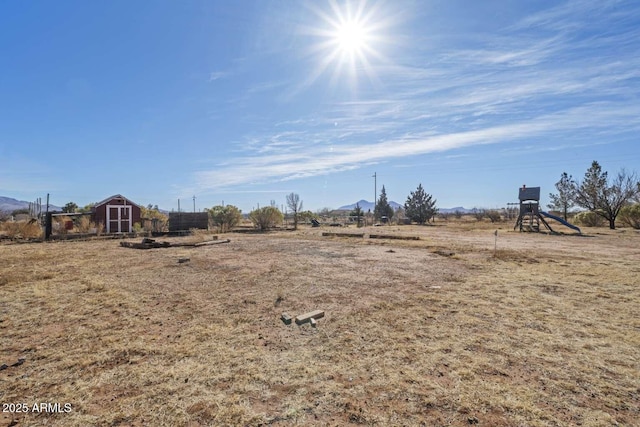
(178, 205)
(375, 191)
(194, 204)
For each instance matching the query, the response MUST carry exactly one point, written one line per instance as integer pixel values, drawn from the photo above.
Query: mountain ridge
(8, 204)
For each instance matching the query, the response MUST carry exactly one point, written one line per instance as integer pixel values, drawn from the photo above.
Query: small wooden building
(117, 214)
(182, 221)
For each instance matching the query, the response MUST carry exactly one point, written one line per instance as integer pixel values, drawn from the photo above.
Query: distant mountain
(7, 204)
(365, 206)
(457, 209)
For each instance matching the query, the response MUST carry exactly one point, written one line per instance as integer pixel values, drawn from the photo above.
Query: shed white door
(118, 219)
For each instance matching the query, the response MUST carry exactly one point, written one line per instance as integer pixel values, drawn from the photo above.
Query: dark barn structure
(117, 214)
(183, 221)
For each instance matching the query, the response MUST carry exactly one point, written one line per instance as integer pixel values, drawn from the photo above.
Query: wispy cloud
(217, 75)
(515, 87)
(323, 160)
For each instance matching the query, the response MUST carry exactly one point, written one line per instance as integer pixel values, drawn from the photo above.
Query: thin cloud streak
(283, 167)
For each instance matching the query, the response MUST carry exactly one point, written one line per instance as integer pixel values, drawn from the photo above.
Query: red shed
(117, 214)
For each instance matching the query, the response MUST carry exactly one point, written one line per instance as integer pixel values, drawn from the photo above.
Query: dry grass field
(439, 331)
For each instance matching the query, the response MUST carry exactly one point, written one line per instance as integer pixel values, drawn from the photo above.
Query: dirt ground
(447, 330)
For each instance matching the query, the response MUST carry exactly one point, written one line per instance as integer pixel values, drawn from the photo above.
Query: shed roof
(116, 196)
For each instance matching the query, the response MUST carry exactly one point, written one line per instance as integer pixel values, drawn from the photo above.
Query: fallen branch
(393, 236)
(152, 244)
(211, 242)
(330, 234)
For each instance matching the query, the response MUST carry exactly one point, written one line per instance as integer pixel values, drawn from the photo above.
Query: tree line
(420, 207)
(603, 196)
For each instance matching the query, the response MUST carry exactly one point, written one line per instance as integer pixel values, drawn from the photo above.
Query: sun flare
(351, 37)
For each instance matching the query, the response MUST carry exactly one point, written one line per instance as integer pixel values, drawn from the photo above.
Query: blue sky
(247, 101)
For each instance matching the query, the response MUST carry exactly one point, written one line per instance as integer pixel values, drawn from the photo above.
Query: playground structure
(531, 216)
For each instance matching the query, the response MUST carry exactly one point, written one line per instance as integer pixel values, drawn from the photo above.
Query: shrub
(153, 219)
(630, 216)
(21, 229)
(589, 219)
(266, 217)
(60, 224)
(479, 214)
(85, 225)
(224, 218)
(493, 215)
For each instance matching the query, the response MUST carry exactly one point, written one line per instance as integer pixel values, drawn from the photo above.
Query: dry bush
(21, 229)
(224, 218)
(85, 225)
(266, 217)
(156, 224)
(201, 235)
(479, 214)
(493, 215)
(59, 224)
(630, 216)
(589, 219)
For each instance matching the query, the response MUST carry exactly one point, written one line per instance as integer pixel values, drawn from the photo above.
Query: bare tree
(596, 194)
(295, 204)
(479, 214)
(357, 212)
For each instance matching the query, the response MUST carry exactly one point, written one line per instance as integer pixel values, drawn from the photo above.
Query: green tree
(305, 216)
(87, 208)
(266, 217)
(383, 208)
(563, 200)
(602, 197)
(420, 207)
(70, 208)
(225, 217)
(295, 204)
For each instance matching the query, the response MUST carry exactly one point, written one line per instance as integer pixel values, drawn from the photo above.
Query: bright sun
(351, 37)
